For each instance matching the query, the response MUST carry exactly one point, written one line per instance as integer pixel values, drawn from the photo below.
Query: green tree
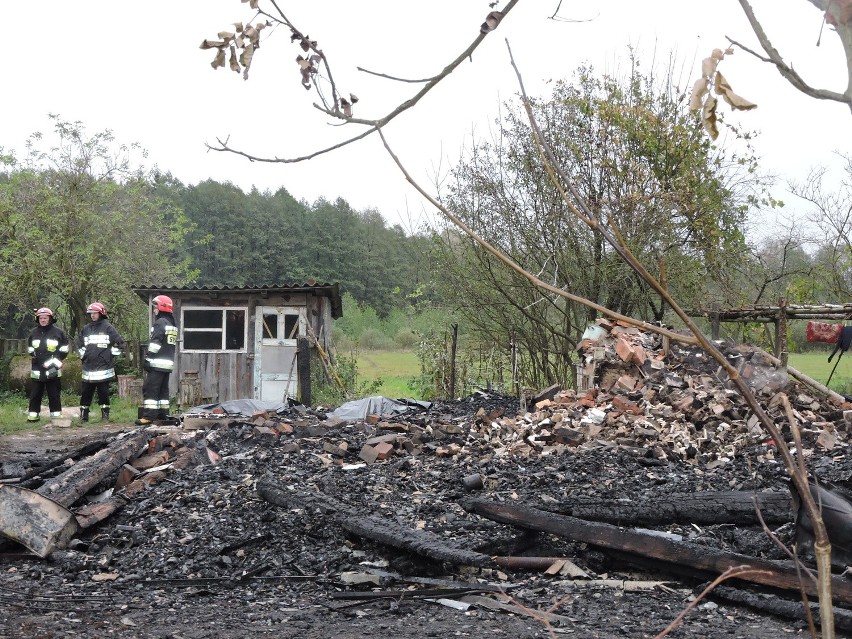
(642, 165)
(78, 222)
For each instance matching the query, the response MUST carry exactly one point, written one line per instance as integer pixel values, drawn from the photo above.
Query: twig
(730, 573)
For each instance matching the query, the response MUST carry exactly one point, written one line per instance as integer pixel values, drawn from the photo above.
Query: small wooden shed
(242, 342)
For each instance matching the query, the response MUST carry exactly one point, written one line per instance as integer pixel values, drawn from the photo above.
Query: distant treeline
(238, 238)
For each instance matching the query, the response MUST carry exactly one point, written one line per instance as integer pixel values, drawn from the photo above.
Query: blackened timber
(83, 451)
(386, 532)
(665, 550)
(716, 507)
(420, 542)
(92, 514)
(78, 480)
(793, 610)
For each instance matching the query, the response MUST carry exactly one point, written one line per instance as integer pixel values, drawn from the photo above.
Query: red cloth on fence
(823, 332)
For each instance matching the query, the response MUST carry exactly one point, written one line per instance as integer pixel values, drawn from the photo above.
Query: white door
(276, 331)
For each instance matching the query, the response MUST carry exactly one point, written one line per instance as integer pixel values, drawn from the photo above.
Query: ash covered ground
(202, 553)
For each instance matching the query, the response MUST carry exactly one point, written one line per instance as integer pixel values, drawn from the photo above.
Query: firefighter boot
(84, 413)
(144, 417)
(104, 413)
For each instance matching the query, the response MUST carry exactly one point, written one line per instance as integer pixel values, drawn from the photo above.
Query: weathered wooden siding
(224, 376)
(230, 375)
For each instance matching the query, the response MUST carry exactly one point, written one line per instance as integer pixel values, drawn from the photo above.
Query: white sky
(136, 68)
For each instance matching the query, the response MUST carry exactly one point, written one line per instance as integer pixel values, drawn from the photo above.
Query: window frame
(222, 329)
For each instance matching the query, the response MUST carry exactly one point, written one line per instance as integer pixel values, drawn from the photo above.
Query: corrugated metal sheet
(331, 291)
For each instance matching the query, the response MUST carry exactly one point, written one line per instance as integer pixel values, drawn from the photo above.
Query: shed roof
(331, 291)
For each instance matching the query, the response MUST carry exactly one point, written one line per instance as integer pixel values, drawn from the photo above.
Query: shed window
(213, 329)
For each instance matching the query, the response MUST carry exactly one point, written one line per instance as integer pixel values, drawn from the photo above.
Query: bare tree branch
(790, 74)
(374, 125)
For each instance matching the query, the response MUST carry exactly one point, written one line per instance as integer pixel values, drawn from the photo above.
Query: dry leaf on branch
(699, 90)
(245, 56)
(232, 60)
(212, 44)
(219, 60)
(701, 99)
(708, 117)
(737, 102)
(252, 3)
(346, 106)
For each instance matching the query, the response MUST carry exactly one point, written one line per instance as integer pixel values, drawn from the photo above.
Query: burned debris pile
(615, 501)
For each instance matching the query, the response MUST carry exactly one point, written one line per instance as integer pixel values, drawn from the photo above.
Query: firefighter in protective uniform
(48, 346)
(99, 344)
(159, 362)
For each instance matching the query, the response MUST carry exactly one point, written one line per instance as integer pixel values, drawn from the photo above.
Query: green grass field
(395, 368)
(817, 366)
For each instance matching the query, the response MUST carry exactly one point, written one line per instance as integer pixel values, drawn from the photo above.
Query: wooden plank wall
(224, 376)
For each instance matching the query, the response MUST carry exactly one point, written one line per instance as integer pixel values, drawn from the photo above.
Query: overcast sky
(136, 68)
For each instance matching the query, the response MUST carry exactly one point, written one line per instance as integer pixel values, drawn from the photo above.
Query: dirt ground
(202, 556)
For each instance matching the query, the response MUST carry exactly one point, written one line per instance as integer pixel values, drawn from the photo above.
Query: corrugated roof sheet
(331, 291)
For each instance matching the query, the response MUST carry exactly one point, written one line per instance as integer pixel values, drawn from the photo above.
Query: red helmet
(44, 311)
(163, 303)
(96, 307)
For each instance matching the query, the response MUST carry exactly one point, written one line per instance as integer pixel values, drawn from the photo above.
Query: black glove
(146, 367)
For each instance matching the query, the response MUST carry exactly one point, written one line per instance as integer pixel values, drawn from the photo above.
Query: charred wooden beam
(79, 453)
(664, 550)
(793, 610)
(716, 507)
(381, 530)
(78, 480)
(92, 514)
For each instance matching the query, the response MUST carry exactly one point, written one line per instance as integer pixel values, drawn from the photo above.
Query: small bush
(345, 384)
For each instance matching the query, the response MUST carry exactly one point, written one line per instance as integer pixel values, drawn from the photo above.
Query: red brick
(624, 350)
(369, 454)
(384, 450)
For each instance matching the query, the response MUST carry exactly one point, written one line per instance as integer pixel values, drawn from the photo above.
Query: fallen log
(793, 610)
(731, 507)
(79, 453)
(38, 523)
(78, 480)
(664, 550)
(420, 542)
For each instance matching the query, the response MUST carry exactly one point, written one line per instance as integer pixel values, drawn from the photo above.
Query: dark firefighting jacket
(48, 346)
(162, 346)
(99, 344)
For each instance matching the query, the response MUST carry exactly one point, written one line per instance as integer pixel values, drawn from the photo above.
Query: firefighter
(159, 362)
(48, 346)
(99, 345)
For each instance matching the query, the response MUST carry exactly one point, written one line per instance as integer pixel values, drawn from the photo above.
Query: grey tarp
(376, 405)
(247, 407)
